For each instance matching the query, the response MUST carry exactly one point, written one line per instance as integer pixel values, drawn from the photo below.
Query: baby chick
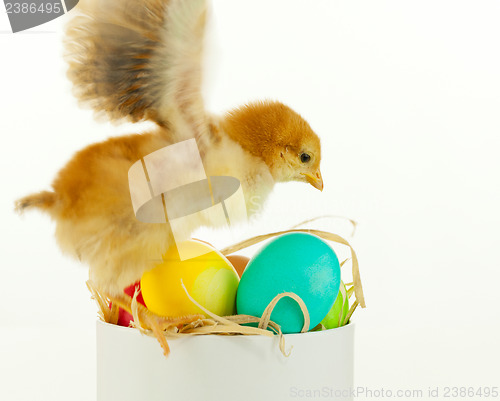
(141, 60)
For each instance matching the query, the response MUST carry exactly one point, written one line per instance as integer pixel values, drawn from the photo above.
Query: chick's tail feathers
(44, 200)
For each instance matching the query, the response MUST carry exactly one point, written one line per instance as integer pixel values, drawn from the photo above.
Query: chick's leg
(149, 320)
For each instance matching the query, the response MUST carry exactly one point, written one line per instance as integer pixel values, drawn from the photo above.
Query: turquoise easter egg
(294, 262)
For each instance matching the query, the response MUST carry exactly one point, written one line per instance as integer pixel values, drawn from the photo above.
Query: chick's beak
(315, 180)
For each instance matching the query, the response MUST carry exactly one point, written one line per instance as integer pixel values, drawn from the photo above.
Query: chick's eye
(304, 157)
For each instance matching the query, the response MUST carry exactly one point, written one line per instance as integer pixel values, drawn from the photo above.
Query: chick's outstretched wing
(140, 60)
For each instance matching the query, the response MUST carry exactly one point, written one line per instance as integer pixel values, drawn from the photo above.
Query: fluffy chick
(142, 60)
(260, 144)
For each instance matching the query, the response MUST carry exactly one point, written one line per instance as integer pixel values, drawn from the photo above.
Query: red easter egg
(124, 317)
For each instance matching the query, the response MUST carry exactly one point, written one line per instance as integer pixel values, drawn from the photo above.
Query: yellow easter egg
(209, 278)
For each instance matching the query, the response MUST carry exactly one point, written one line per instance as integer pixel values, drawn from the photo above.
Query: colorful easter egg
(336, 316)
(125, 318)
(295, 262)
(210, 279)
(239, 263)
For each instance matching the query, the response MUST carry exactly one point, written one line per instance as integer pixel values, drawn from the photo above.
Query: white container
(131, 367)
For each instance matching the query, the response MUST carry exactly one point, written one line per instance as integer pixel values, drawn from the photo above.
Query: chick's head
(281, 137)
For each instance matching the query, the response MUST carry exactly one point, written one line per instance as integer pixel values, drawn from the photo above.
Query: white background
(405, 97)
